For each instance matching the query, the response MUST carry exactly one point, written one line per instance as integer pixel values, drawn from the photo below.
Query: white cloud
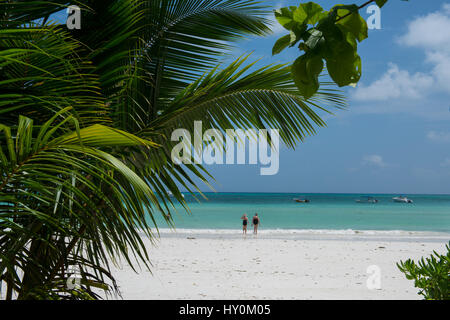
(374, 160)
(430, 31)
(432, 34)
(439, 136)
(418, 93)
(441, 69)
(394, 84)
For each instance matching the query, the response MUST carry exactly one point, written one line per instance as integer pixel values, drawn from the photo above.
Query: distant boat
(301, 200)
(171, 194)
(402, 199)
(367, 200)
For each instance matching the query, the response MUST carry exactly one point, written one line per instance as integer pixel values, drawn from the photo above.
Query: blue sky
(395, 136)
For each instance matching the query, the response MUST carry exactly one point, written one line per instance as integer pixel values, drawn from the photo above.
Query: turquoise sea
(324, 212)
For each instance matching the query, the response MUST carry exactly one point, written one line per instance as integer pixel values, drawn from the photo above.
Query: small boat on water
(171, 194)
(298, 200)
(402, 199)
(367, 200)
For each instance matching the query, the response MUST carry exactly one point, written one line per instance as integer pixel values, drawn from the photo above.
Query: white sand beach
(224, 266)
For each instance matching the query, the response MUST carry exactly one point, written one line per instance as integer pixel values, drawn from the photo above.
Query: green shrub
(431, 275)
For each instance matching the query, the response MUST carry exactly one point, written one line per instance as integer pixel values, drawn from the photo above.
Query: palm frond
(41, 74)
(237, 97)
(185, 38)
(65, 202)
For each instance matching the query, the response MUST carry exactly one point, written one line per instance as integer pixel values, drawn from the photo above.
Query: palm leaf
(237, 97)
(39, 67)
(56, 198)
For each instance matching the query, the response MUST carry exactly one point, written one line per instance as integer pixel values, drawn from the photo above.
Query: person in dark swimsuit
(255, 223)
(244, 224)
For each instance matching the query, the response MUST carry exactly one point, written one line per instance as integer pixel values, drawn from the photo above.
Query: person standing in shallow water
(244, 223)
(255, 223)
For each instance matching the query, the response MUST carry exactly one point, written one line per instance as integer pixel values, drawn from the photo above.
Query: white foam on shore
(312, 234)
(305, 231)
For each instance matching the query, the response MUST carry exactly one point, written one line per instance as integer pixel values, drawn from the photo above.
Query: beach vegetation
(431, 275)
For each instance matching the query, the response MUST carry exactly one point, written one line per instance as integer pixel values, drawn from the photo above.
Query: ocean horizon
(326, 211)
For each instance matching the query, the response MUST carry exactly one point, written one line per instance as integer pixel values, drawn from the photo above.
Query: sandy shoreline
(201, 266)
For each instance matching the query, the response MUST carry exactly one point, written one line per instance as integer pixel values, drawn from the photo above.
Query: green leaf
(315, 67)
(345, 67)
(315, 39)
(297, 33)
(293, 38)
(281, 44)
(300, 16)
(305, 72)
(343, 9)
(99, 135)
(308, 13)
(353, 24)
(343, 62)
(285, 17)
(380, 3)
